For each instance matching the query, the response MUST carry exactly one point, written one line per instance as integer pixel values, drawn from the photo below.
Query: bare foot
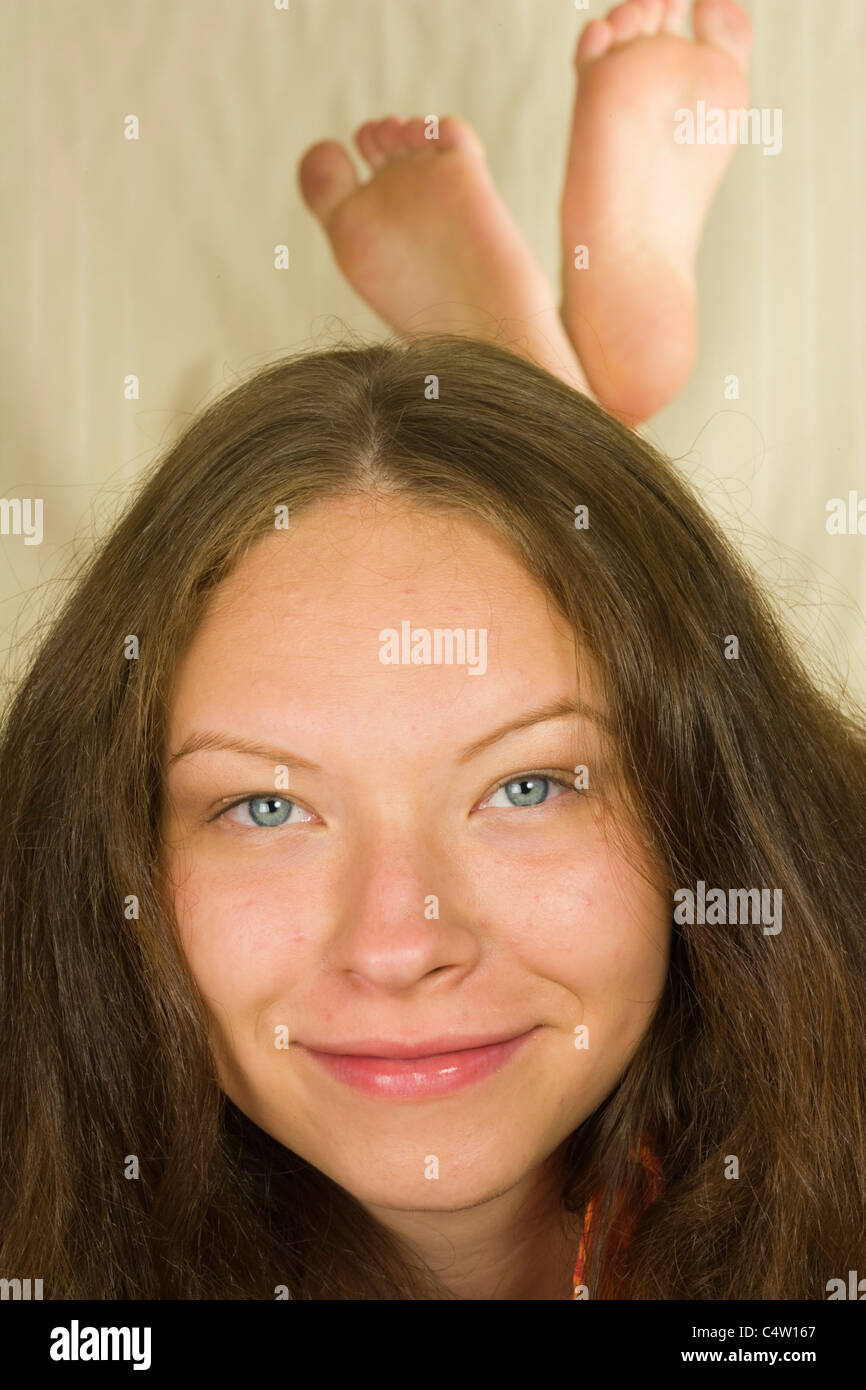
(637, 199)
(429, 243)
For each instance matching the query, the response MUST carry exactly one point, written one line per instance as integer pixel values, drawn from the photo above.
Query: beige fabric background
(156, 257)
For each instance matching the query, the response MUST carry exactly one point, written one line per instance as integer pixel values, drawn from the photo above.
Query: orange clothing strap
(652, 1163)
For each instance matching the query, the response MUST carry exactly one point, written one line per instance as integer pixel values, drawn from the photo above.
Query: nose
(400, 920)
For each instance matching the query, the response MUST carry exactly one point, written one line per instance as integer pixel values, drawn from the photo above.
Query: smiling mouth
(419, 1077)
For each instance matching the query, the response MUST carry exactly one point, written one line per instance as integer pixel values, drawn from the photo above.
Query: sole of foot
(636, 199)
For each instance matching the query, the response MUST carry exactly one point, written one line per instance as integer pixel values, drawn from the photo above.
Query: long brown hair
(741, 772)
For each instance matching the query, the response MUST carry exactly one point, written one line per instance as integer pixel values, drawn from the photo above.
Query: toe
(595, 39)
(626, 21)
(415, 134)
(455, 134)
(368, 145)
(724, 25)
(675, 16)
(326, 176)
(653, 13)
(390, 138)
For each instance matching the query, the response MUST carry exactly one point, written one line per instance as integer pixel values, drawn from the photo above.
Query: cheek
(592, 925)
(242, 937)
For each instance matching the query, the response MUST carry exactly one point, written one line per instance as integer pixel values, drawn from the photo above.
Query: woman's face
(405, 880)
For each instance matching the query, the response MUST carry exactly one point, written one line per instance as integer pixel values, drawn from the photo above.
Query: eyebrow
(206, 741)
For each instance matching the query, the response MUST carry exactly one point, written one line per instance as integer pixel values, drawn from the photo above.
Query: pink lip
(407, 1078)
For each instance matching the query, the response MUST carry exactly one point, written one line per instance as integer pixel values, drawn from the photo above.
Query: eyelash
(549, 774)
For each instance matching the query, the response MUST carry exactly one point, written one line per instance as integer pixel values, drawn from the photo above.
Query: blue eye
(526, 790)
(531, 789)
(265, 810)
(269, 816)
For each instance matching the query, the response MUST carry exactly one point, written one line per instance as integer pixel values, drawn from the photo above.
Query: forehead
(296, 627)
(355, 556)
